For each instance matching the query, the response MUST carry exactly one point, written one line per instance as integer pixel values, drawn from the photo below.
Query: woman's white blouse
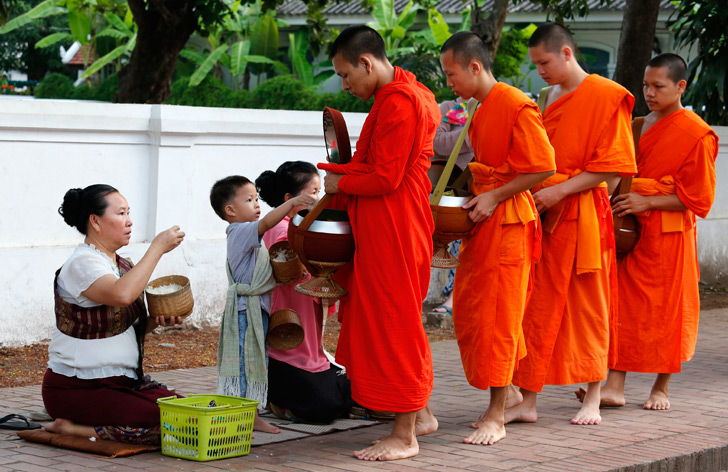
(90, 358)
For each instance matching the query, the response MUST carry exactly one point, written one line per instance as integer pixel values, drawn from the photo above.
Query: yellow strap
(588, 241)
(672, 221)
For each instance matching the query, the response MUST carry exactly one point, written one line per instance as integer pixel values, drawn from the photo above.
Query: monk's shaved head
(467, 46)
(553, 37)
(357, 40)
(677, 70)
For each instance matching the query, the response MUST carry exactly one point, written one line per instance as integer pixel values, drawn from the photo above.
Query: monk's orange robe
(386, 191)
(567, 320)
(659, 303)
(493, 281)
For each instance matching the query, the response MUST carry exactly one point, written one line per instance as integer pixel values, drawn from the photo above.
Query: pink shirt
(309, 356)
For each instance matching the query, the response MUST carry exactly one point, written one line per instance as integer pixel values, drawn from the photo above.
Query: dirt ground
(189, 347)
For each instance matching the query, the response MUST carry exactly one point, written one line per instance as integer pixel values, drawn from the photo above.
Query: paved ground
(693, 435)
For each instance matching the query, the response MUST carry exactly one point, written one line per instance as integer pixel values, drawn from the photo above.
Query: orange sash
(518, 209)
(672, 221)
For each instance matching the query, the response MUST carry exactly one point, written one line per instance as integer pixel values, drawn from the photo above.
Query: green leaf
(42, 10)
(52, 39)
(323, 76)
(439, 28)
(238, 51)
(383, 13)
(297, 55)
(264, 37)
(398, 32)
(207, 65)
(117, 23)
(102, 61)
(80, 25)
(192, 55)
(407, 17)
(112, 33)
(466, 19)
(132, 43)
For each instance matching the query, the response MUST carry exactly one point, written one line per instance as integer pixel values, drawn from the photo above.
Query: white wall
(164, 159)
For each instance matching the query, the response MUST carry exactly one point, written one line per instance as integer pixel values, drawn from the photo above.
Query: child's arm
(277, 214)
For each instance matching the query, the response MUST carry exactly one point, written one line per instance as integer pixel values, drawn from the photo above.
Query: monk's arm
(483, 205)
(550, 196)
(636, 203)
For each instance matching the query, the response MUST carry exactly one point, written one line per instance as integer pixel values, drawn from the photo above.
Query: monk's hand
(630, 203)
(482, 206)
(547, 197)
(331, 182)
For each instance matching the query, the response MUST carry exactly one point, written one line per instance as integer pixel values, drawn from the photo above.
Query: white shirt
(90, 358)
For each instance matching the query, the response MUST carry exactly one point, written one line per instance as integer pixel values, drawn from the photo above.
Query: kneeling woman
(94, 385)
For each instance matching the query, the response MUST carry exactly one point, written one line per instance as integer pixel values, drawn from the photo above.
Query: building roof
(298, 8)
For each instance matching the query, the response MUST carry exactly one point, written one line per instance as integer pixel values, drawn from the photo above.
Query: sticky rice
(164, 289)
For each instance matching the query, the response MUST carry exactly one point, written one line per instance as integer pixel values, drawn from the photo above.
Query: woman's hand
(168, 239)
(162, 321)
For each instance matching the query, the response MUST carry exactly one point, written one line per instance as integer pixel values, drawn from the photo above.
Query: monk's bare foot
(658, 401)
(489, 432)
(588, 415)
(515, 397)
(609, 398)
(426, 422)
(521, 413)
(389, 448)
(263, 426)
(63, 426)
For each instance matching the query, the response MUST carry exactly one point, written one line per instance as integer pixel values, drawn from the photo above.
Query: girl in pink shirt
(302, 383)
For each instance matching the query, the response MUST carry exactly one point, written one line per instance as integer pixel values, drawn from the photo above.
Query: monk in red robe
(512, 154)
(566, 324)
(659, 303)
(386, 190)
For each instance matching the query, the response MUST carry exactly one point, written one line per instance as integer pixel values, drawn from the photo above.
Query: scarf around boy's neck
(228, 353)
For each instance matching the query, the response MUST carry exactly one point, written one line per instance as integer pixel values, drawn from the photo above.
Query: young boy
(242, 356)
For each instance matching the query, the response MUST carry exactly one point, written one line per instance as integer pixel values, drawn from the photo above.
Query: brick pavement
(692, 436)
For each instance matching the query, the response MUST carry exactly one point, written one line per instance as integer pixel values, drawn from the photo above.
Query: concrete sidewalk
(692, 436)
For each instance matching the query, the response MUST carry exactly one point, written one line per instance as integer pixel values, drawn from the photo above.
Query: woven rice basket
(179, 303)
(285, 272)
(284, 330)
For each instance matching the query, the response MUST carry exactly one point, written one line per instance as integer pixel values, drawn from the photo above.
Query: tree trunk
(635, 48)
(490, 28)
(164, 28)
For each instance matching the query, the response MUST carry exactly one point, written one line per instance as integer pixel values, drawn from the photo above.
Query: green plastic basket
(193, 430)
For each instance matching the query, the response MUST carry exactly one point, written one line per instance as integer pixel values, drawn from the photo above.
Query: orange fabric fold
(567, 321)
(386, 191)
(494, 280)
(659, 303)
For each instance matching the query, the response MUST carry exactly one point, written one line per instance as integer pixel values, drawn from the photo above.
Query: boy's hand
(304, 199)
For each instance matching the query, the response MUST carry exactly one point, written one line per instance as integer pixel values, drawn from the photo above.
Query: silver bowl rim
(448, 201)
(319, 226)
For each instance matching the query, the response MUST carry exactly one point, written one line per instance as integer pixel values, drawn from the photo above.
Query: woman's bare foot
(489, 432)
(389, 448)
(515, 397)
(658, 401)
(426, 422)
(609, 398)
(63, 426)
(259, 424)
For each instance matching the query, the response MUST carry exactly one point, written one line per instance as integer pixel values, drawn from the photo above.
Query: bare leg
(658, 396)
(589, 413)
(492, 428)
(401, 444)
(447, 303)
(259, 424)
(524, 412)
(513, 399)
(425, 422)
(612, 393)
(61, 426)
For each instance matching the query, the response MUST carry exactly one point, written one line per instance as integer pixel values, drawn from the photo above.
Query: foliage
(705, 23)
(560, 10)
(393, 27)
(512, 52)
(54, 86)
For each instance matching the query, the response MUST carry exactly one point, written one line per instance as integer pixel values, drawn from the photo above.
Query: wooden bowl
(328, 239)
(284, 330)
(625, 234)
(288, 271)
(450, 217)
(179, 303)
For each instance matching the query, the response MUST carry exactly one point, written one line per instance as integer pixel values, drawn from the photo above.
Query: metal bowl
(447, 201)
(329, 221)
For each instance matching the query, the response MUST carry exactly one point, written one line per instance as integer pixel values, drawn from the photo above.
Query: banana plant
(300, 65)
(390, 26)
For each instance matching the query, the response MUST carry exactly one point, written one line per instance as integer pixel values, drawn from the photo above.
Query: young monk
(512, 154)
(566, 324)
(658, 280)
(386, 190)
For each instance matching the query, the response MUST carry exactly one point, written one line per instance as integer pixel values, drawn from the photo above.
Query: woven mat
(100, 447)
(291, 430)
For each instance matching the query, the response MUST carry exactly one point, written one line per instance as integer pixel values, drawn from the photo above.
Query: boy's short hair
(553, 36)
(223, 191)
(677, 70)
(467, 46)
(357, 40)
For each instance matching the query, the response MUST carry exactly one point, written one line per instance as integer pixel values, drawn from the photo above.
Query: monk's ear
(567, 52)
(367, 63)
(475, 67)
(681, 85)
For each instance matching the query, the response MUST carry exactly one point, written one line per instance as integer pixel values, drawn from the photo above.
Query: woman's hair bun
(269, 188)
(79, 204)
